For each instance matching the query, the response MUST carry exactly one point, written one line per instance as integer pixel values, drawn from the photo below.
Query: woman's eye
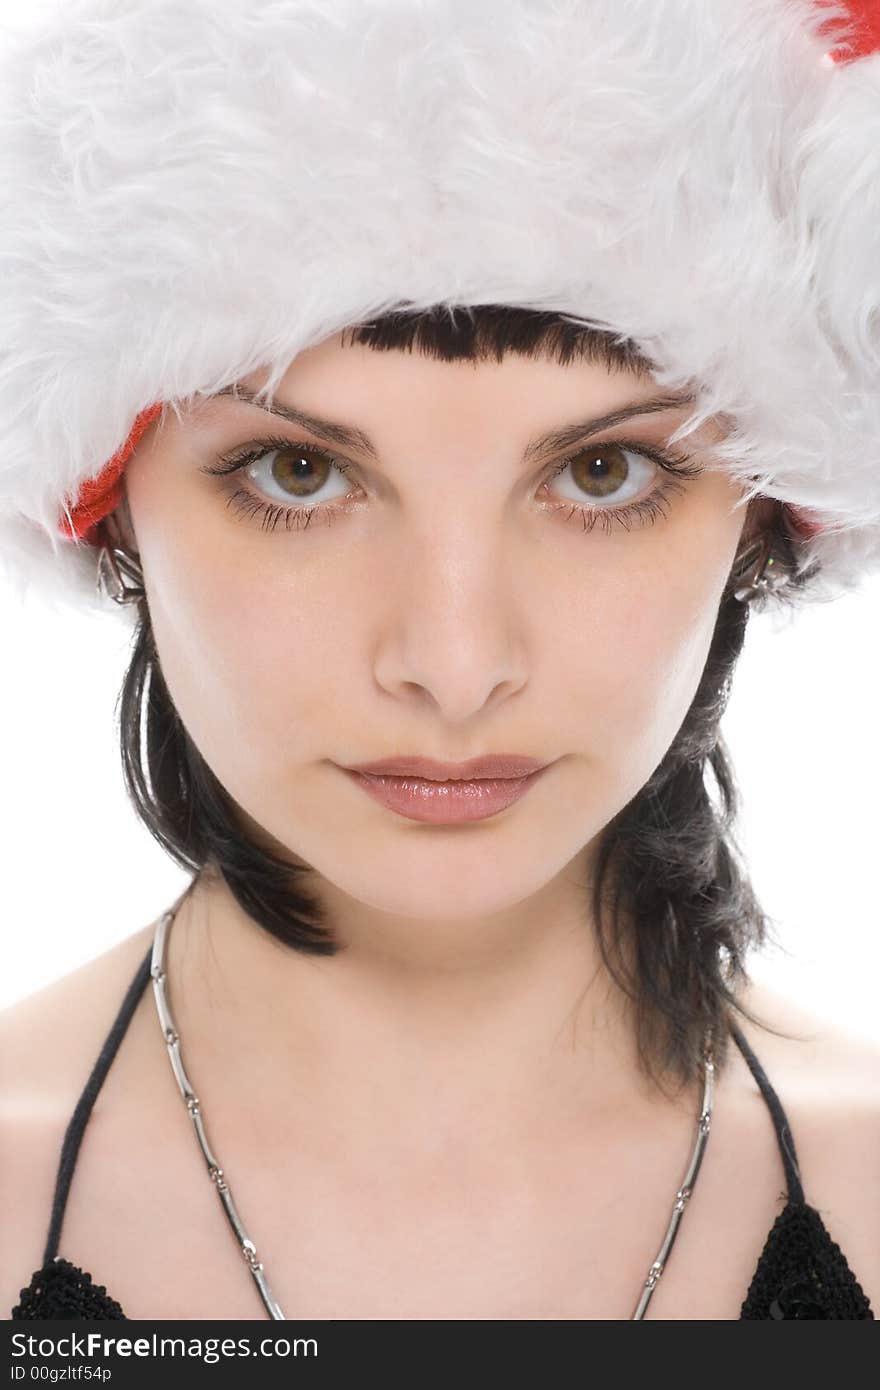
(285, 473)
(297, 481)
(606, 479)
(299, 472)
(606, 473)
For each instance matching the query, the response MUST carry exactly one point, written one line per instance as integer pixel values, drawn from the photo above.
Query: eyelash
(644, 512)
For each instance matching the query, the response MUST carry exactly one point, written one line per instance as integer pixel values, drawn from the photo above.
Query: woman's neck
(428, 1036)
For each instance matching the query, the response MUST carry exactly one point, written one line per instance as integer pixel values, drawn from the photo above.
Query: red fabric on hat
(805, 523)
(100, 496)
(866, 15)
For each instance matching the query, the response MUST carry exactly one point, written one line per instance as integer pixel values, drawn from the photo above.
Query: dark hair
(675, 912)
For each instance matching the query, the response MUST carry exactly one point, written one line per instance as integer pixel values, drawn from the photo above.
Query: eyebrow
(352, 438)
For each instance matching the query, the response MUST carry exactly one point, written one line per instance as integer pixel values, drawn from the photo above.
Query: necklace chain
(221, 1184)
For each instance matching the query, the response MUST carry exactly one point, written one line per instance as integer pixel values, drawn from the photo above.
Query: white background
(80, 872)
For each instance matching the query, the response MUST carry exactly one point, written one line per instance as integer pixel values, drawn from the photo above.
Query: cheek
(248, 660)
(627, 657)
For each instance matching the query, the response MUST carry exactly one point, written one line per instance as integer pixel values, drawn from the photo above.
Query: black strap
(780, 1119)
(78, 1120)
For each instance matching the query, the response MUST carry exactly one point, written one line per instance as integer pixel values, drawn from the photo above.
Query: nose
(454, 637)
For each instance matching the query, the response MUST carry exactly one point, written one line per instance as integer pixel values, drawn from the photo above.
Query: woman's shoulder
(50, 1039)
(824, 1064)
(827, 1078)
(49, 1042)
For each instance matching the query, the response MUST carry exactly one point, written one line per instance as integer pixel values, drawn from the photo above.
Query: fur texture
(193, 189)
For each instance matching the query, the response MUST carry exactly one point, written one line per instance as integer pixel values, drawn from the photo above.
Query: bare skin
(446, 1120)
(561, 1227)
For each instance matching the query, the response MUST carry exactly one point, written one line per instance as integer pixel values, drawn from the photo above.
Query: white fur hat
(194, 189)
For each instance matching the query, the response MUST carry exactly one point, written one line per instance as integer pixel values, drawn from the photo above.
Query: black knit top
(801, 1272)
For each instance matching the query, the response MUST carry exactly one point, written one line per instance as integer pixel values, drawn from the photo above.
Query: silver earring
(764, 578)
(113, 565)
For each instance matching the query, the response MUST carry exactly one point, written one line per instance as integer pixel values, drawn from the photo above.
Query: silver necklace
(218, 1177)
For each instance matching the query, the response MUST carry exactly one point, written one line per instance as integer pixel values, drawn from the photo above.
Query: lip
(448, 802)
(491, 765)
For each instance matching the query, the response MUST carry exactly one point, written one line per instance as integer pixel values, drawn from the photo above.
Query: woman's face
(452, 599)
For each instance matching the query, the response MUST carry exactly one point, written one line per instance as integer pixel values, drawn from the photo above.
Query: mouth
(488, 767)
(445, 802)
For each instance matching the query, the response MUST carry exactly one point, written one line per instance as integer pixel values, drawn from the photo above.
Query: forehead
(479, 336)
(452, 371)
(340, 394)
